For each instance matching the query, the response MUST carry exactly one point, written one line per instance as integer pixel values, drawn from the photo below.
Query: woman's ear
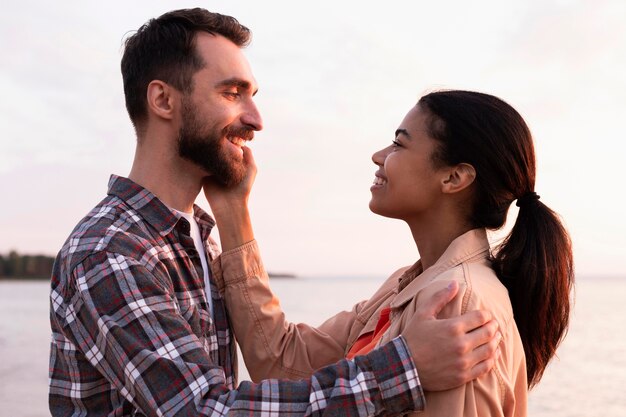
(160, 98)
(459, 178)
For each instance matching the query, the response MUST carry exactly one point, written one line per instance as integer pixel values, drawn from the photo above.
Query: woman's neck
(433, 237)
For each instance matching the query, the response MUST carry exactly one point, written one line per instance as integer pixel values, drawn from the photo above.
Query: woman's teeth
(379, 181)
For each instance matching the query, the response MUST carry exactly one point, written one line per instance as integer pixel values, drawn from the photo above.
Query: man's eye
(231, 94)
(395, 143)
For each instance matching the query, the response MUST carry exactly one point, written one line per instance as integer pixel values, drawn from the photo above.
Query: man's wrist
(397, 377)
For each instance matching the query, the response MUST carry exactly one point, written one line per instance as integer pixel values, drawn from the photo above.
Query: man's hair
(164, 49)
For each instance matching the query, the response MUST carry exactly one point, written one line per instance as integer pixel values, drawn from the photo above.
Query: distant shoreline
(281, 275)
(13, 279)
(274, 275)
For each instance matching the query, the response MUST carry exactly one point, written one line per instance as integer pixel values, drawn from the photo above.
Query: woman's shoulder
(479, 289)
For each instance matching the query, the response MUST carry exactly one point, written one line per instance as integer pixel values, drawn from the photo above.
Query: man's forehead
(225, 61)
(215, 46)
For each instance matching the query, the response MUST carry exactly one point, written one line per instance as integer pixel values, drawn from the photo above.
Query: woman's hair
(535, 260)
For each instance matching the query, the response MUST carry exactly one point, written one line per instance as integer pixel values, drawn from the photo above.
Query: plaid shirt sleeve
(129, 327)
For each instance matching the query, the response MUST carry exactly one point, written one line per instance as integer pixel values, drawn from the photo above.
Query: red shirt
(368, 341)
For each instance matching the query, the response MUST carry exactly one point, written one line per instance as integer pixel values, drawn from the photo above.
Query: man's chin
(226, 175)
(231, 177)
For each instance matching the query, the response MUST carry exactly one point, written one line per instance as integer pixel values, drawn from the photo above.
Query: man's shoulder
(111, 226)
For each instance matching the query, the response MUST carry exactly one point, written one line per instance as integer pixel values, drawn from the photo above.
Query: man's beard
(205, 149)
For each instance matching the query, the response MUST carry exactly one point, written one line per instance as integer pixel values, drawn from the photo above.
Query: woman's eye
(395, 143)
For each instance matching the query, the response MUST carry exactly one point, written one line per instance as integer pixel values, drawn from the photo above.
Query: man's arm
(448, 353)
(128, 326)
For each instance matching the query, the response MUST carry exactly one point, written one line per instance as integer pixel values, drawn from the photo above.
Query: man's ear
(161, 98)
(459, 178)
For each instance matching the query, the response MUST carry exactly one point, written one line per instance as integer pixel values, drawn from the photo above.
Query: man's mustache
(242, 132)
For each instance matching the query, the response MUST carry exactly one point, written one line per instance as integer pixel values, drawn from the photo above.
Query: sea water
(586, 379)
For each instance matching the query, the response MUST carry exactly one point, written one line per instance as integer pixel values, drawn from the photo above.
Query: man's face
(203, 145)
(219, 115)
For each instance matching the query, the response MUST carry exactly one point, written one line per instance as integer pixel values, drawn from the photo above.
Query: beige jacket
(274, 347)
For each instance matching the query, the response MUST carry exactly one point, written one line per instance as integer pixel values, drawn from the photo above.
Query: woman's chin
(375, 208)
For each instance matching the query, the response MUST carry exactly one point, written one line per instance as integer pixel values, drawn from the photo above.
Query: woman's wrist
(234, 225)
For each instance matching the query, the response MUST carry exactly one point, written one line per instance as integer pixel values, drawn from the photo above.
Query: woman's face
(408, 183)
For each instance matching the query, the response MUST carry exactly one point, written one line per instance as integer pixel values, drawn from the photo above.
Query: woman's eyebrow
(403, 132)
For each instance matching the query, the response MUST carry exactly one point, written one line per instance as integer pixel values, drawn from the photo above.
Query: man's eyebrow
(236, 82)
(403, 132)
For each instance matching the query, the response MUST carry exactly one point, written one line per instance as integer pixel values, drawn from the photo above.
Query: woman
(457, 162)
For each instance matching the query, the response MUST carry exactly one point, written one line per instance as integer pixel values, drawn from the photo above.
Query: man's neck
(174, 181)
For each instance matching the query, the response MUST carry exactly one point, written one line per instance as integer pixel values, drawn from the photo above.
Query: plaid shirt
(132, 333)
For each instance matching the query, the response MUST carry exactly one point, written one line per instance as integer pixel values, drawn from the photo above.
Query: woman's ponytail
(535, 263)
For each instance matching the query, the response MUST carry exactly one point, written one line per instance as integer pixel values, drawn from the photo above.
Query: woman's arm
(271, 346)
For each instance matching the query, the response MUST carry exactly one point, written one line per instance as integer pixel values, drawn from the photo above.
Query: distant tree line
(19, 266)
(16, 266)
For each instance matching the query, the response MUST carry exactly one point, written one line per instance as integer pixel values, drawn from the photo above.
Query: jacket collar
(470, 245)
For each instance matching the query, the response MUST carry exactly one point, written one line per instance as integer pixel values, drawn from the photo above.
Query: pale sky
(336, 78)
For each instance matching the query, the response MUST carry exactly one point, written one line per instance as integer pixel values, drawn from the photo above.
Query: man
(138, 326)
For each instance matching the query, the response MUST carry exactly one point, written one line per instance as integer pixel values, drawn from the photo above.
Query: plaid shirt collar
(152, 210)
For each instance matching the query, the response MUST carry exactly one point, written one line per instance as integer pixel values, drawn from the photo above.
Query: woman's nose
(379, 157)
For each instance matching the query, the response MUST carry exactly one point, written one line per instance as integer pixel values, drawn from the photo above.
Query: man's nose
(252, 117)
